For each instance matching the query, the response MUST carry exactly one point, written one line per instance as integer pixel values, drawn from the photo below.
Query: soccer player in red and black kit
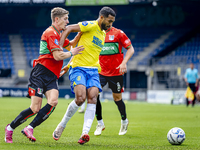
(43, 78)
(113, 66)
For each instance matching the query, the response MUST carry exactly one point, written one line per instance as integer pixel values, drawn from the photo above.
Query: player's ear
(102, 17)
(56, 19)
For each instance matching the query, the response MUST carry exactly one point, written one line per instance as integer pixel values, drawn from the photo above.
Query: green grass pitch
(148, 127)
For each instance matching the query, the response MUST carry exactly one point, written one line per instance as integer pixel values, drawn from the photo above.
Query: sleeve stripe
(55, 49)
(67, 45)
(128, 46)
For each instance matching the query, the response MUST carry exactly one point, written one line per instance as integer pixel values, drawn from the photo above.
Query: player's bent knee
(79, 101)
(53, 102)
(92, 100)
(35, 109)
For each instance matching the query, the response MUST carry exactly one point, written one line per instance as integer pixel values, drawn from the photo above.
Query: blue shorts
(89, 77)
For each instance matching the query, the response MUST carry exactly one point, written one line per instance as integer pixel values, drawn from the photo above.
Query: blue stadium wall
(16, 18)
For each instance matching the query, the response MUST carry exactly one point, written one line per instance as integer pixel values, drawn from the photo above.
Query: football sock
(98, 109)
(193, 102)
(22, 117)
(121, 108)
(100, 122)
(187, 102)
(124, 121)
(83, 106)
(71, 110)
(29, 127)
(42, 115)
(9, 128)
(88, 117)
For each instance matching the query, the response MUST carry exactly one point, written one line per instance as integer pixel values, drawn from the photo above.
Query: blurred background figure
(191, 79)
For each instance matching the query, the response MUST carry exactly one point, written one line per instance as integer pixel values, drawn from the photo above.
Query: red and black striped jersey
(49, 43)
(112, 55)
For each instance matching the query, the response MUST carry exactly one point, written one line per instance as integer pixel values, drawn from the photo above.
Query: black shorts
(193, 87)
(41, 80)
(115, 83)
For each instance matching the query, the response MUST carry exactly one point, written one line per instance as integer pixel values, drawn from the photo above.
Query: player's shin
(98, 109)
(122, 108)
(21, 118)
(88, 117)
(42, 115)
(71, 110)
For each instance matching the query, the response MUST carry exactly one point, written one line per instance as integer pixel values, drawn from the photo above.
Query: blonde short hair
(58, 12)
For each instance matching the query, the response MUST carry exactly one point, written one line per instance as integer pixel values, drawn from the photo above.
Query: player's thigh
(77, 77)
(93, 80)
(80, 93)
(36, 103)
(103, 80)
(52, 97)
(115, 83)
(92, 94)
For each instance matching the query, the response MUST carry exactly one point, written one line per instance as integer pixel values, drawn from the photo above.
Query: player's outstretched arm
(67, 31)
(65, 68)
(122, 67)
(60, 55)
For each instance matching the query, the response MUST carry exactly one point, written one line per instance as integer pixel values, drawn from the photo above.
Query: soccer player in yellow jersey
(83, 70)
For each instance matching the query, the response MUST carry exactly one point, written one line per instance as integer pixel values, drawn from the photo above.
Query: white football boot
(99, 129)
(124, 127)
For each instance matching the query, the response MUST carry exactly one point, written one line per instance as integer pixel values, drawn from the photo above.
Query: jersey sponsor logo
(84, 23)
(97, 42)
(110, 48)
(111, 37)
(56, 42)
(107, 48)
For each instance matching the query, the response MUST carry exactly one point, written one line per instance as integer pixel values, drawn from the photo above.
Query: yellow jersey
(92, 39)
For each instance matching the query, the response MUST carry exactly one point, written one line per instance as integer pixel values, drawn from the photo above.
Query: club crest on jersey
(84, 23)
(56, 42)
(111, 37)
(127, 41)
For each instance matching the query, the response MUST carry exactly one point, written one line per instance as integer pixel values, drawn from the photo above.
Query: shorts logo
(111, 37)
(84, 23)
(118, 87)
(31, 91)
(79, 78)
(56, 42)
(74, 84)
(39, 91)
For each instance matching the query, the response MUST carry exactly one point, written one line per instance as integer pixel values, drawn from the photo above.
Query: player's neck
(56, 26)
(99, 23)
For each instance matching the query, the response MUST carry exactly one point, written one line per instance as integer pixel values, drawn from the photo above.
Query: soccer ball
(176, 136)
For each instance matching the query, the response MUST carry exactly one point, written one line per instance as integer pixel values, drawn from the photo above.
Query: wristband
(71, 53)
